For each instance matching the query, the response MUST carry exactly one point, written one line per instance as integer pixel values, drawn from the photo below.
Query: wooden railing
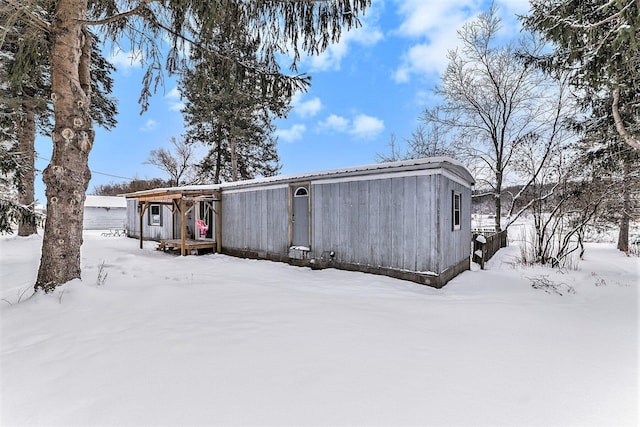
(486, 244)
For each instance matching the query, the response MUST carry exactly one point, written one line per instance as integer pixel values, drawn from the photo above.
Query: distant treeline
(482, 201)
(115, 189)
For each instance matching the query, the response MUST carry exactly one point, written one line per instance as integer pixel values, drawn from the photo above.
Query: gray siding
(150, 232)
(382, 222)
(427, 224)
(401, 221)
(256, 220)
(454, 244)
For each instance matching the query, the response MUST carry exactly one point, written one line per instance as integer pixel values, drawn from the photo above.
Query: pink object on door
(202, 226)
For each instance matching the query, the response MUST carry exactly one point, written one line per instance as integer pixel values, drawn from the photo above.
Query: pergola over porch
(182, 200)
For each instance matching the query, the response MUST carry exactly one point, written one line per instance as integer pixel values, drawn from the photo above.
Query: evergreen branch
(601, 22)
(135, 11)
(217, 54)
(138, 11)
(31, 19)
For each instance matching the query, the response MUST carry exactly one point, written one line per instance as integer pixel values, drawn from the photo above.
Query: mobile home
(408, 219)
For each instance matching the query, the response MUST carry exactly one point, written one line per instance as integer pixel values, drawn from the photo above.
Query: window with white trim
(155, 215)
(456, 209)
(301, 192)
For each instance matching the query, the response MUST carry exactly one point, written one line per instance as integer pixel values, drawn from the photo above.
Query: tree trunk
(623, 235)
(234, 159)
(617, 118)
(67, 176)
(216, 178)
(498, 200)
(26, 132)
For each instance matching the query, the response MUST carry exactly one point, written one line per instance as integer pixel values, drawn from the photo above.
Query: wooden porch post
(219, 223)
(183, 226)
(141, 214)
(143, 209)
(174, 208)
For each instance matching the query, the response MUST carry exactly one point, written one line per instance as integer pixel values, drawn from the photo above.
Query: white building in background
(104, 212)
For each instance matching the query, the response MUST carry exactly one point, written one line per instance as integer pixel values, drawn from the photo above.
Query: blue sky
(372, 84)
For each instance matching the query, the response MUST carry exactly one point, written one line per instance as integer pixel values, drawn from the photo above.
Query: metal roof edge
(447, 163)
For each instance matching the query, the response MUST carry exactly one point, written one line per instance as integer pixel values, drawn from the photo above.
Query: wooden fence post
(484, 247)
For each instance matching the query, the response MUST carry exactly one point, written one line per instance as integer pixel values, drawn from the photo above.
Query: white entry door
(300, 216)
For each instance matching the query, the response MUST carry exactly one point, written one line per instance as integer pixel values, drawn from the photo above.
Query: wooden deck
(189, 245)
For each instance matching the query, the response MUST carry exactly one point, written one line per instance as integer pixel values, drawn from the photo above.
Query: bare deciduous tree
(427, 140)
(492, 102)
(178, 163)
(564, 201)
(549, 145)
(395, 153)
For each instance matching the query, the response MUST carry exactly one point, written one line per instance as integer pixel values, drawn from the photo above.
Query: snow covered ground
(215, 340)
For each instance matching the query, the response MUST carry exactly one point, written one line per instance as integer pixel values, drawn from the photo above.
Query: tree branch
(31, 19)
(135, 11)
(622, 131)
(599, 23)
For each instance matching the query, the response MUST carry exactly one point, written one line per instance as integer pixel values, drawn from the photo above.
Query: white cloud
(366, 126)
(425, 58)
(362, 125)
(174, 100)
(293, 134)
(366, 35)
(124, 61)
(173, 93)
(336, 123)
(176, 106)
(331, 59)
(434, 25)
(423, 18)
(520, 7)
(149, 126)
(306, 108)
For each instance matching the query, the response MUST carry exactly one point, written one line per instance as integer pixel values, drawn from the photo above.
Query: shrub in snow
(549, 286)
(599, 280)
(558, 251)
(20, 294)
(102, 275)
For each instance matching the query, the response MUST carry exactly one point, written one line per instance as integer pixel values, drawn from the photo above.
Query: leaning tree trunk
(623, 235)
(629, 139)
(26, 133)
(67, 176)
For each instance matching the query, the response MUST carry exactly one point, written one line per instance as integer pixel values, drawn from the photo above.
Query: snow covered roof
(105, 202)
(451, 165)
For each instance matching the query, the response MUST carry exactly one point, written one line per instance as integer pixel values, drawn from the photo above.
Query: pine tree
(297, 25)
(599, 43)
(231, 110)
(23, 96)
(615, 165)
(25, 67)
(11, 171)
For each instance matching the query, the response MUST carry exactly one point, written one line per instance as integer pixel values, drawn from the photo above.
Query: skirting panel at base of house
(433, 280)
